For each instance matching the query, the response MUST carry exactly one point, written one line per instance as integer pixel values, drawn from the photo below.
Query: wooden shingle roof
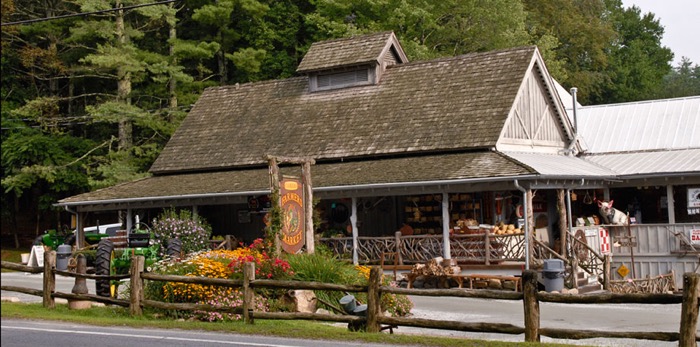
(353, 51)
(430, 168)
(442, 105)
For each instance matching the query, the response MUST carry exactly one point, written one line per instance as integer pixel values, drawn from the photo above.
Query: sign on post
(293, 218)
(695, 237)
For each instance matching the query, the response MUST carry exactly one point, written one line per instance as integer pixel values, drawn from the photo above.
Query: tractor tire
(103, 266)
(174, 250)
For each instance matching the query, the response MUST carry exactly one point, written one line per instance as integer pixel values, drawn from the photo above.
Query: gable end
(535, 122)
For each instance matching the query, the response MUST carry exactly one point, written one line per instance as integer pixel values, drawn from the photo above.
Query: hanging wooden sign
(293, 225)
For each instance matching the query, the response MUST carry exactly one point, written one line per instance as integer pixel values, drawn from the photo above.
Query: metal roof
(655, 163)
(560, 165)
(641, 126)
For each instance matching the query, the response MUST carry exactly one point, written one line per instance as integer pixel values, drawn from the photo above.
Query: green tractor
(111, 261)
(53, 238)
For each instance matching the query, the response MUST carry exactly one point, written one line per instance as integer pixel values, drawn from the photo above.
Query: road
(23, 333)
(614, 317)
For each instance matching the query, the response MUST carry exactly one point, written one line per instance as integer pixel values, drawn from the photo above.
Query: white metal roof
(560, 165)
(641, 126)
(685, 161)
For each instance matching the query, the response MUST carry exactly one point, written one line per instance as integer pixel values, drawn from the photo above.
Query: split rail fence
(374, 317)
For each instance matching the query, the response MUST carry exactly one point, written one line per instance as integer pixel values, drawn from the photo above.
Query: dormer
(348, 62)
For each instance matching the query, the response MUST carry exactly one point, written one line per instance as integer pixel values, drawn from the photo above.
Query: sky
(681, 22)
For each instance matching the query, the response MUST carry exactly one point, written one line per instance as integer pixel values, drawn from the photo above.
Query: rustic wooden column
(531, 306)
(275, 189)
(563, 223)
(607, 274)
(531, 225)
(248, 295)
(309, 206)
(355, 231)
(397, 249)
(374, 309)
(49, 279)
(136, 293)
(689, 310)
(487, 247)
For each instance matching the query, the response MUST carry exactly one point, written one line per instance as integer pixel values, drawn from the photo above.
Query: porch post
(353, 222)
(671, 205)
(309, 207)
(563, 221)
(527, 201)
(195, 211)
(129, 219)
(529, 224)
(446, 251)
(79, 232)
(568, 210)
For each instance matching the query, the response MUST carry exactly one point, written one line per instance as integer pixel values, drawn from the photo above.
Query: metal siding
(550, 164)
(639, 126)
(652, 255)
(649, 162)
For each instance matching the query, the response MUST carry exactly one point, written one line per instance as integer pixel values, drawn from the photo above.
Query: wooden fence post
(248, 295)
(689, 309)
(374, 308)
(80, 286)
(531, 306)
(49, 279)
(136, 295)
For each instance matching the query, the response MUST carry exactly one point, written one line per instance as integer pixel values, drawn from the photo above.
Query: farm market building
(395, 143)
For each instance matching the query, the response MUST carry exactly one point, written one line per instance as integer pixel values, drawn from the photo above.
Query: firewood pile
(436, 267)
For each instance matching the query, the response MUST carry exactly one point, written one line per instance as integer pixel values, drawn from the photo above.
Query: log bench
(473, 279)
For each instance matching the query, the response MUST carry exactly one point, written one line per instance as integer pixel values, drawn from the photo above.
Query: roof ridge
(466, 55)
(691, 97)
(255, 83)
(353, 37)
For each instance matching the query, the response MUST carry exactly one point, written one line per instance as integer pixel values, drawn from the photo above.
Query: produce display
(503, 229)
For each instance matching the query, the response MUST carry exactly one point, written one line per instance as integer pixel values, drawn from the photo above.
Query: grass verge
(114, 315)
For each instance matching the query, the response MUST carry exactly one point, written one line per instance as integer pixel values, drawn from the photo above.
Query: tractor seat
(138, 239)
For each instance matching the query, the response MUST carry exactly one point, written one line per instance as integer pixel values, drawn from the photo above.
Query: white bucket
(25, 258)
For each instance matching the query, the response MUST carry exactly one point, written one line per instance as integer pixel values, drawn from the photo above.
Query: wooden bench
(475, 278)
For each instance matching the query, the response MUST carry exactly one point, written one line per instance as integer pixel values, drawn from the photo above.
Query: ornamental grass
(318, 267)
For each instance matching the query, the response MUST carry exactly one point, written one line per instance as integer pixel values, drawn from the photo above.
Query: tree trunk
(123, 84)
(172, 83)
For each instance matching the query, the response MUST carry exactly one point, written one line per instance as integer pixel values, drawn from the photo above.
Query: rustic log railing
(473, 249)
(588, 259)
(468, 248)
(658, 284)
(374, 317)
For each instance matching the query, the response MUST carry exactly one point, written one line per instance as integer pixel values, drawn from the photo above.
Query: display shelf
(424, 212)
(465, 206)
